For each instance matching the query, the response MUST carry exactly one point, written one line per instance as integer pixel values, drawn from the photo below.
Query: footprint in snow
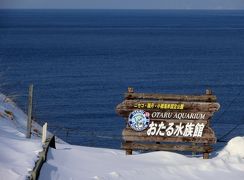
(114, 174)
(96, 178)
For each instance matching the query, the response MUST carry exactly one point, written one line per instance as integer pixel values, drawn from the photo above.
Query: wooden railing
(34, 174)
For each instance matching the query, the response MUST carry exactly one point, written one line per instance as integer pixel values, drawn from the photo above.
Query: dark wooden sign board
(168, 122)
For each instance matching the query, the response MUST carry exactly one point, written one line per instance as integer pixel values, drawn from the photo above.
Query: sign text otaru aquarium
(168, 122)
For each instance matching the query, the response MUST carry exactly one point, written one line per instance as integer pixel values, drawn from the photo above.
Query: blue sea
(82, 61)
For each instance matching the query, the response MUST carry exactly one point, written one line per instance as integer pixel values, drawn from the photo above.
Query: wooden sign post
(44, 133)
(168, 122)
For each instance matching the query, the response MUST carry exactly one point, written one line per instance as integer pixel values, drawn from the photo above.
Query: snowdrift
(76, 162)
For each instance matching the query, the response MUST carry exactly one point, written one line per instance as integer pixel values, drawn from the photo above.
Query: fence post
(30, 98)
(44, 133)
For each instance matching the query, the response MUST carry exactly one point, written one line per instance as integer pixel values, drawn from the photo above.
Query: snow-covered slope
(17, 154)
(76, 162)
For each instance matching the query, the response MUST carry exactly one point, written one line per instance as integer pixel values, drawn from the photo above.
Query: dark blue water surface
(82, 61)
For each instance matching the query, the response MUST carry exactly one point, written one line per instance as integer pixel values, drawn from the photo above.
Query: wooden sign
(168, 122)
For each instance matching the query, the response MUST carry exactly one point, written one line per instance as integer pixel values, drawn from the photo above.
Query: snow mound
(77, 162)
(235, 147)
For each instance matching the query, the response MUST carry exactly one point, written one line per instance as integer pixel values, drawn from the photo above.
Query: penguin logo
(139, 120)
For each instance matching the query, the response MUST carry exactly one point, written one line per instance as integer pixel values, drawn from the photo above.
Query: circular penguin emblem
(139, 120)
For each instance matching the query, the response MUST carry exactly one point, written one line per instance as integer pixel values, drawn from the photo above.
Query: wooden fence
(34, 174)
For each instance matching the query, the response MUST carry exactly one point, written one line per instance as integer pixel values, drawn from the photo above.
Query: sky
(123, 4)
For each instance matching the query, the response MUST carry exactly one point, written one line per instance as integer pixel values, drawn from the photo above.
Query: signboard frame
(177, 122)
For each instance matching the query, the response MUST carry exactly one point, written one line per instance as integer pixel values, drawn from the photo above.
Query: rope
(229, 132)
(68, 131)
(230, 104)
(228, 107)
